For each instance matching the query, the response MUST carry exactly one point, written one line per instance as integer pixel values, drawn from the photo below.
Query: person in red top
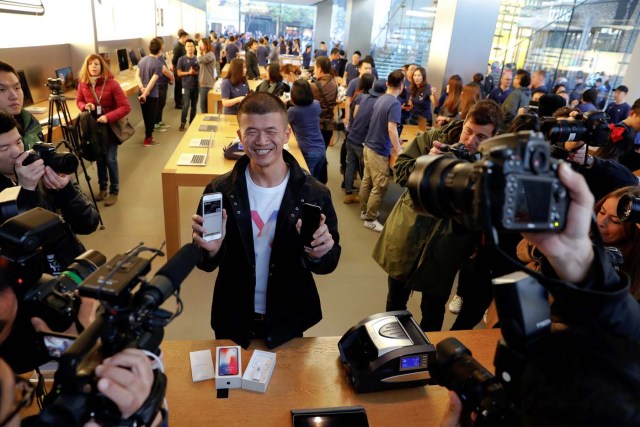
(100, 94)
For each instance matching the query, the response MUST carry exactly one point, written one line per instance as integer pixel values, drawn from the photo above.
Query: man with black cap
(618, 110)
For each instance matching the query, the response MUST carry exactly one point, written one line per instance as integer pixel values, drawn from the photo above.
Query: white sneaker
(455, 305)
(373, 225)
(363, 216)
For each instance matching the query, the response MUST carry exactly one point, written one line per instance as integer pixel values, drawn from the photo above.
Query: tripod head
(55, 86)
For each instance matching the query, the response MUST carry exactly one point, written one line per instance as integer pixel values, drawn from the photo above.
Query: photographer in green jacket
(11, 102)
(424, 253)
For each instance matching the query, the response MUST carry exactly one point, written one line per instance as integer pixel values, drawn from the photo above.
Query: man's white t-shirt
(265, 204)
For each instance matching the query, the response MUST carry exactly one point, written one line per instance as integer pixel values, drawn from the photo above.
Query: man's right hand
(435, 148)
(29, 176)
(211, 246)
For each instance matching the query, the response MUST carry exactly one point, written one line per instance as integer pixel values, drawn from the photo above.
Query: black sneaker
(181, 127)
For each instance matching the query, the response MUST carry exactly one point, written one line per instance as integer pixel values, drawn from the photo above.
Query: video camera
(65, 163)
(127, 319)
(513, 187)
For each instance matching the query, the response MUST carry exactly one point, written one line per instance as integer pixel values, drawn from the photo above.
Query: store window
(588, 38)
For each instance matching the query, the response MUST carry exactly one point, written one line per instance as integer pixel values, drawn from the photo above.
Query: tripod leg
(72, 135)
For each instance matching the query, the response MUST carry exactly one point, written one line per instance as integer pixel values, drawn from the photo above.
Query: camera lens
(629, 208)
(81, 268)
(564, 130)
(441, 186)
(63, 163)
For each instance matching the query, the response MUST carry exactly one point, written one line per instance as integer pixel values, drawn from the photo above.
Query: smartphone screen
(212, 214)
(310, 223)
(228, 361)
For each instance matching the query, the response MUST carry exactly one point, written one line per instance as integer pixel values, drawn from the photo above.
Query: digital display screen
(411, 362)
(533, 199)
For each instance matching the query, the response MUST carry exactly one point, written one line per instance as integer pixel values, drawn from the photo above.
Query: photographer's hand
(53, 180)
(451, 417)
(126, 378)
(29, 176)
(86, 316)
(322, 239)
(212, 246)
(570, 252)
(435, 149)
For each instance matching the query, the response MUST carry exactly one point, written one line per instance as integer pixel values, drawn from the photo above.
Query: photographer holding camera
(46, 188)
(585, 371)
(424, 253)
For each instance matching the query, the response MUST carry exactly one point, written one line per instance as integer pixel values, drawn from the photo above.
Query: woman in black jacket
(273, 83)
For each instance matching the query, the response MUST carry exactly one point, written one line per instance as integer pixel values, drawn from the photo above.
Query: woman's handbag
(122, 129)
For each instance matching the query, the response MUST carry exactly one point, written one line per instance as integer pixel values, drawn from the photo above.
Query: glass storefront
(261, 18)
(402, 33)
(589, 38)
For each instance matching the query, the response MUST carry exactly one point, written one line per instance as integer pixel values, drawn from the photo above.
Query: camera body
(591, 127)
(460, 151)
(54, 85)
(53, 299)
(513, 187)
(42, 295)
(65, 163)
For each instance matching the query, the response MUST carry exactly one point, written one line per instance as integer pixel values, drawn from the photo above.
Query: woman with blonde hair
(102, 96)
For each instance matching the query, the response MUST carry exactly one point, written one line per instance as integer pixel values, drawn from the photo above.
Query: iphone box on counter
(228, 367)
(258, 373)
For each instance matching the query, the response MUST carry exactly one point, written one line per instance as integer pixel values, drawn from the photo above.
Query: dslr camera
(514, 186)
(51, 298)
(65, 163)
(591, 127)
(460, 151)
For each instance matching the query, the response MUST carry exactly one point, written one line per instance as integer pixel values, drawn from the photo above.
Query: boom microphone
(170, 276)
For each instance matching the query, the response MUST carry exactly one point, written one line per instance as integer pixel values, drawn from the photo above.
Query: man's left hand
(323, 241)
(53, 180)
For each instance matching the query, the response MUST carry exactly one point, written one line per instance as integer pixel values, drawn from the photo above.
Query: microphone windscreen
(180, 265)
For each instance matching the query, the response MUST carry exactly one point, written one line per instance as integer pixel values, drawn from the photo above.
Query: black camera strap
(150, 408)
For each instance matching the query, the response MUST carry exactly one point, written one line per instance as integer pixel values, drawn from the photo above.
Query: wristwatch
(589, 162)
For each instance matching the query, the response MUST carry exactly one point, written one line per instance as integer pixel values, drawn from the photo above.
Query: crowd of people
(265, 287)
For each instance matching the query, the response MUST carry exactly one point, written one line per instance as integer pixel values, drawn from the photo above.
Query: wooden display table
(308, 374)
(174, 176)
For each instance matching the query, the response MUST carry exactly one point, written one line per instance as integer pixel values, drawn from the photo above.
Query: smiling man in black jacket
(265, 287)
